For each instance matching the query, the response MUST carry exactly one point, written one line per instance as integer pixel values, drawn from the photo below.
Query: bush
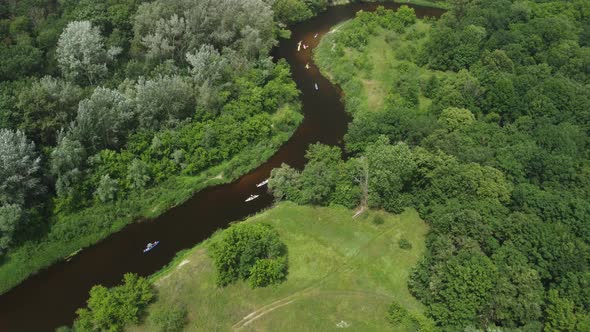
(268, 271)
(169, 319)
(378, 220)
(110, 309)
(240, 247)
(396, 314)
(404, 244)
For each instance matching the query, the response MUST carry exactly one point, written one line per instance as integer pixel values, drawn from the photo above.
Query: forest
(479, 120)
(109, 107)
(484, 129)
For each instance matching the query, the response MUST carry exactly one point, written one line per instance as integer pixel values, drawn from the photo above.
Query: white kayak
(251, 198)
(316, 86)
(262, 183)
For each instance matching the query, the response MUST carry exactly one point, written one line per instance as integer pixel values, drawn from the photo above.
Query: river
(50, 298)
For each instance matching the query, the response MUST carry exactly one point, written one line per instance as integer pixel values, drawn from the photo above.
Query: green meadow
(343, 272)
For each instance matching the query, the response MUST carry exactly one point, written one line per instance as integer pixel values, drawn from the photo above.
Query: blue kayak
(150, 246)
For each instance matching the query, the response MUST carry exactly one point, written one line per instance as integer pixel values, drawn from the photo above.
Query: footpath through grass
(343, 272)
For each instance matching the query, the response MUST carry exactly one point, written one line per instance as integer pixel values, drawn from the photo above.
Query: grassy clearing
(366, 75)
(100, 221)
(341, 271)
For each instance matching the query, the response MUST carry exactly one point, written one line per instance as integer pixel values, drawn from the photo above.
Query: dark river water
(50, 298)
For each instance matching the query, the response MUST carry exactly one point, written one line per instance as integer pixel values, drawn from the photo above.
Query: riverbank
(105, 219)
(342, 272)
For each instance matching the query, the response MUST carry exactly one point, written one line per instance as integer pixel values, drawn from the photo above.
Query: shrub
(404, 244)
(396, 314)
(268, 271)
(169, 319)
(110, 309)
(378, 220)
(240, 247)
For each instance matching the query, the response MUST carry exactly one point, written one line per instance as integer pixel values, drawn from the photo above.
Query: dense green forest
(115, 109)
(484, 129)
(112, 110)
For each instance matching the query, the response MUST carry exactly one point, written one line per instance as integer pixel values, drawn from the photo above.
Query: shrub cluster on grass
(252, 252)
(169, 319)
(110, 309)
(404, 244)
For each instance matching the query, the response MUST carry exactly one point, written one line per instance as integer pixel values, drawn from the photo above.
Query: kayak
(70, 256)
(262, 183)
(252, 197)
(150, 246)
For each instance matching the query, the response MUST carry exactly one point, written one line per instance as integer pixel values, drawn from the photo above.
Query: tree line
(101, 100)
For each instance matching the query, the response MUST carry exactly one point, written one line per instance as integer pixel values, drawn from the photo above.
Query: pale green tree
(107, 189)
(103, 120)
(81, 52)
(138, 174)
(67, 160)
(163, 100)
(10, 217)
(19, 166)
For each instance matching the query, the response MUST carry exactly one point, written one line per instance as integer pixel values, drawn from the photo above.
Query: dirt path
(254, 315)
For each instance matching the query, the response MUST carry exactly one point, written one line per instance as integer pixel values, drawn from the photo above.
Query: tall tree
(19, 166)
(10, 217)
(103, 120)
(49, 105)
(81, 52)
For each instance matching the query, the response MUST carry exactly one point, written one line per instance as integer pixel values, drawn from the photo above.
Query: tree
(10, 217)
(49, 105)
(103, 120)
(406, 15)
(81, 52)
(162, 101)
(268, 272)
(240, 247)
(171, 30)
(461, 289)
(107, 189)
(111, 309)
(285, 183)
(362, 177)
(67, 160)
(208, 65)
(320, 175)
(18, 60)
(168, 40)
(454, 118)
(559, 313)
(290, 11)
(138, 174)
(390, 166)
(518, 297)
(19, 166)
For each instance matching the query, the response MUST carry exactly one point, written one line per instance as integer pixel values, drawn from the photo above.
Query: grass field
(342, 272)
